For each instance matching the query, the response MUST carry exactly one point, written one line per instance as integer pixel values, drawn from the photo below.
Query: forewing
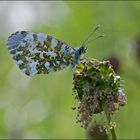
(37, 53)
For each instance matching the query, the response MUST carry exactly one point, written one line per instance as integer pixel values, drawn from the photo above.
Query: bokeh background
(40, 107)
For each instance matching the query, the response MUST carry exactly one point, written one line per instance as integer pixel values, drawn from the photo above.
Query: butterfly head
(82, 50)
(79, 54)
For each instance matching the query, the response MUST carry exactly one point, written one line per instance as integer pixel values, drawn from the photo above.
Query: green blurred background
(40, 107)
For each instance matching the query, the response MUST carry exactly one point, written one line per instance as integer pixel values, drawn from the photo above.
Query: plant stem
(113, 133)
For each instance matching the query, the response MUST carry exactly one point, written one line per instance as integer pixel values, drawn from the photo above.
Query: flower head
(97, 89)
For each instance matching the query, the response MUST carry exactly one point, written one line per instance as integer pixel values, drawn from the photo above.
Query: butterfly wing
(37, 53)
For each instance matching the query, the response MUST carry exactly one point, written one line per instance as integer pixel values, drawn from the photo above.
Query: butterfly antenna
(98, 26)
(94, 39)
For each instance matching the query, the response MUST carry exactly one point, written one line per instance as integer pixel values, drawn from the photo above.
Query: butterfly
(39, 53)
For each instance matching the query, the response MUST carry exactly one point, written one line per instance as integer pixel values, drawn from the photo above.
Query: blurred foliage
(40, 107)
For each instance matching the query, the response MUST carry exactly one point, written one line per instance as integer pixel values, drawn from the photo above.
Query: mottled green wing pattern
(37, 53)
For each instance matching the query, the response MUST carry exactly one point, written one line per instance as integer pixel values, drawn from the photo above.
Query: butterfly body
(38, 53)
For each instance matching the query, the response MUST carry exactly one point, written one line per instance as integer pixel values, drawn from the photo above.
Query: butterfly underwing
(39, 53)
